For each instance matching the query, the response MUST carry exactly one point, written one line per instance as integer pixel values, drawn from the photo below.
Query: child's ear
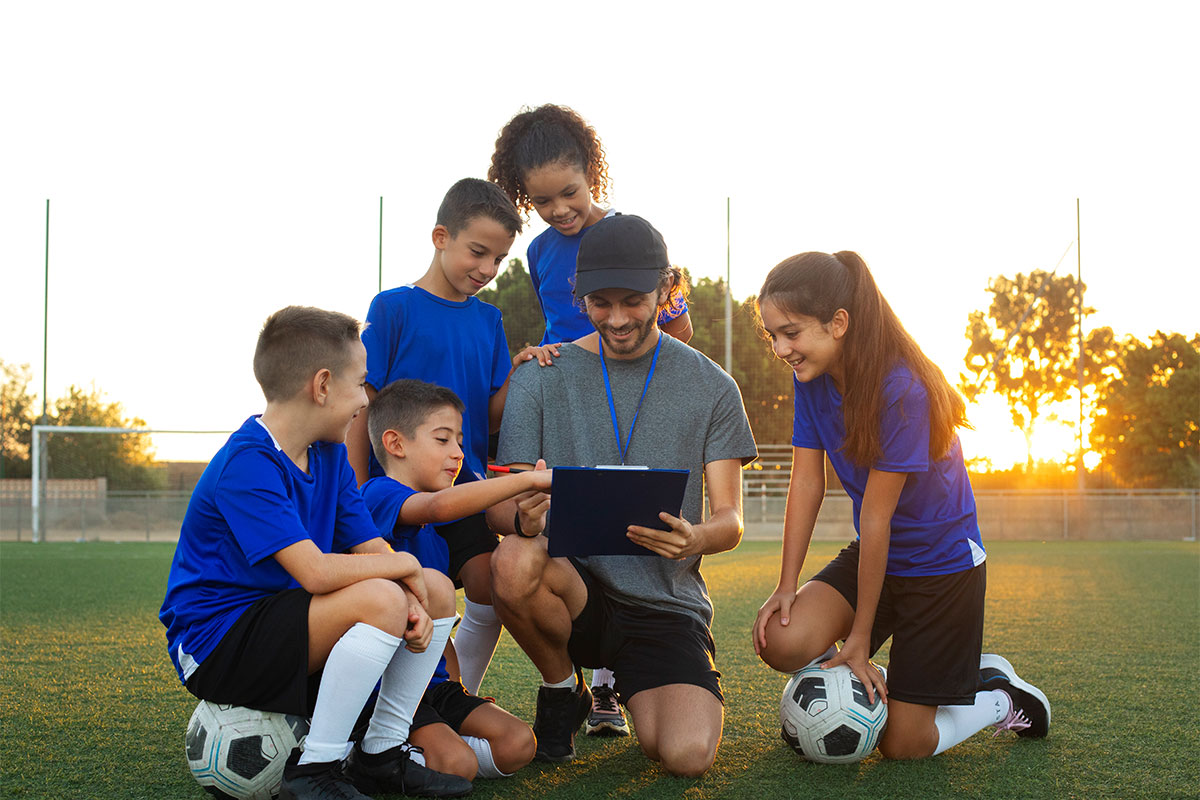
(840, 323)
(319, 386)
(393, 443)
(441, 236)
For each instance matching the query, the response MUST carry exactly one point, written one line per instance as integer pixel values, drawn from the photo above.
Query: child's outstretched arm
(874, 533)
(545, 355)
(465, 499)
(806, 490)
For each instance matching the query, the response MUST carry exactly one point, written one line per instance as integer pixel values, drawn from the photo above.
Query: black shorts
(644, 648)
(447, 702)
(936, 625)
(467, 538)
(262, 661)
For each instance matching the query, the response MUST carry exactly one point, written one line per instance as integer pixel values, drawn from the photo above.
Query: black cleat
(560, 712)
(394, 772)
(319, 781)
(1030, 712)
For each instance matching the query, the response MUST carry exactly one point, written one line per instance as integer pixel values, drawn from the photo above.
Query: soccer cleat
(395, 772)
(1029, 715)
(606, 717)
(318, 781)
(559, 714)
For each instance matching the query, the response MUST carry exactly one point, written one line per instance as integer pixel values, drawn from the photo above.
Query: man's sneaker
(606, 717)
(560, 712)
(319, 781)
(395, 772)
(1029, 715)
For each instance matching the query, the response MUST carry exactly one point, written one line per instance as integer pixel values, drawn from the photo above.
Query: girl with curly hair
(550, 160)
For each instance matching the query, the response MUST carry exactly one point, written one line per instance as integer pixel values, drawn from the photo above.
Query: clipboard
(592, 507)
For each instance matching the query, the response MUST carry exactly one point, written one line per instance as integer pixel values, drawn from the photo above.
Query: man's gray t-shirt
(692, 414)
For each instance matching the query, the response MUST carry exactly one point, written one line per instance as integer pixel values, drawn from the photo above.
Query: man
(625, 394)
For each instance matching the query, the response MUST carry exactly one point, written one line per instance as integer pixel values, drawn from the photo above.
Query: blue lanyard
(612, 407)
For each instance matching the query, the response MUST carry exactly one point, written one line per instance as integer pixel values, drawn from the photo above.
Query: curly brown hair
(547, 134)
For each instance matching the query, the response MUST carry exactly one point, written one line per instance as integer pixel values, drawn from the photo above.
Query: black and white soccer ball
(238, 752)
(827, 717)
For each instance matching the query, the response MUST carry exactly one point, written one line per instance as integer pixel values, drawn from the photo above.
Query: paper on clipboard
(591, 508)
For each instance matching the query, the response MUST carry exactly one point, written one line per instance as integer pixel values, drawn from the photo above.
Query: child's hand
(542, 477)
(545, 354)
(856, 654)
(419, 629)
(780, 602)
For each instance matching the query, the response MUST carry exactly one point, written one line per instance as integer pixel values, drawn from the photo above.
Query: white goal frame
(38, 465)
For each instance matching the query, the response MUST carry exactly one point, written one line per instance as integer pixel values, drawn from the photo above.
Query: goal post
(88, 477)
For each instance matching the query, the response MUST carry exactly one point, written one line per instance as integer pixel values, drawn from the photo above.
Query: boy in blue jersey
(436, 330)
(281, 585)
(416, 429)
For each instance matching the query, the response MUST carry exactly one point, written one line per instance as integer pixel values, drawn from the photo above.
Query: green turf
(90, 707)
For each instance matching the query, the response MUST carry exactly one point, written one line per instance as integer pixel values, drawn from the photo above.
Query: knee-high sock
(482, 749)
(957, 723)
(351, 672)
(403, 683)
(475, 643)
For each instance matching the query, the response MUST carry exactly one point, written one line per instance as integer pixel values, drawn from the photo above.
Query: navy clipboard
(592, 507)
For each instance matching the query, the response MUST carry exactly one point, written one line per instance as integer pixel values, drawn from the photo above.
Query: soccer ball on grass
(239, 752)
(826, 716)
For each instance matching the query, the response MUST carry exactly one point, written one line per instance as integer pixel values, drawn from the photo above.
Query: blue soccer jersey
(934, 529)
(251, 502)
(460, 345)
(384, 496)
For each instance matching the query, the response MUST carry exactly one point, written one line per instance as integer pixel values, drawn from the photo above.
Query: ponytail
(817, 285)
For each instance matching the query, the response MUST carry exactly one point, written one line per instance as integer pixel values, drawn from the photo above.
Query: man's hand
(680, 541)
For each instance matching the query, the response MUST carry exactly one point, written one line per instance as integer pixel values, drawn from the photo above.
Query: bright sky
(210, 163)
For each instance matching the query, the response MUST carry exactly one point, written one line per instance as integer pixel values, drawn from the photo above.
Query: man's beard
(632, 346)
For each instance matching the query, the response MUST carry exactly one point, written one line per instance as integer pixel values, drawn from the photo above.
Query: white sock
(603, 676)
(566, 683)
(403, 683)
(475, 643)
(957, 723)
(351, 672)
(482, 749)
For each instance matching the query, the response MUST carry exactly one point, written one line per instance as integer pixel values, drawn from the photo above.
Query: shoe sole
(1001, 663)
(607, 729)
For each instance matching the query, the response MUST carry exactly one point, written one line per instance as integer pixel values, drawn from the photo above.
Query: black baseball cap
(620, 252)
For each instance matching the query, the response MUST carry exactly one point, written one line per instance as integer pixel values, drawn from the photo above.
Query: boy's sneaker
(318, 781)
(606, 717)
(395, 772)
(1029, 715)
(560, 712)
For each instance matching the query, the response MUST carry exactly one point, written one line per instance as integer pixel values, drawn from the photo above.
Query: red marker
(513, 470)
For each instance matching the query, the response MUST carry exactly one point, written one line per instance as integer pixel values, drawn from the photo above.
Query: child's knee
(441, 594)
(382, 604)
(515, 749)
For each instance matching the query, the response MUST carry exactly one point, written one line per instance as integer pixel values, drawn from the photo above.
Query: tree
(127, 460)
(765, 382)
(1147, 424)
(513, 294)
(1025, 348)
(16, 420)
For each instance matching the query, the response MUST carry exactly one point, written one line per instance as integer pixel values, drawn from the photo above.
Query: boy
(416, 430)
(436, 330)
(281, 585)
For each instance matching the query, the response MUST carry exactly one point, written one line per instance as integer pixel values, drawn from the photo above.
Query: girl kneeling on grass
(885, 414)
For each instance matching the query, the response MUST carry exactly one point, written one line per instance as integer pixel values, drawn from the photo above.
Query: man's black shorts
(643, 647)
(446, 702)
(262, 661)
(936, 625)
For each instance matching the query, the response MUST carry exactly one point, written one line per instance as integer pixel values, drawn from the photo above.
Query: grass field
(90, 707)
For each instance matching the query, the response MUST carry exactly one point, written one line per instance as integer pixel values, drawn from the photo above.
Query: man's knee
(686, 757)
(517, 567)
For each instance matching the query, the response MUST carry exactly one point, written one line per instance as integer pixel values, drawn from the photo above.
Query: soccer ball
(238, 752)
(826, 716)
